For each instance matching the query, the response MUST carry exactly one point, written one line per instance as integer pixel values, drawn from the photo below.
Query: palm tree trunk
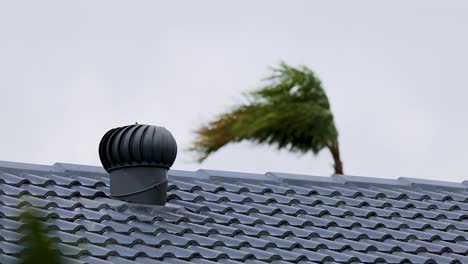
(335, 151)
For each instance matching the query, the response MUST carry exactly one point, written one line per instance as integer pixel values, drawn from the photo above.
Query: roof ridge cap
(280, 177)
(371, 180)
(26, 166)
(238, 175)
(303, 177)
(435, 183)
(344, 179)
(64, 167)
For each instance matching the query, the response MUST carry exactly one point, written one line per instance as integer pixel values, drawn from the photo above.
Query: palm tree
(291, 111)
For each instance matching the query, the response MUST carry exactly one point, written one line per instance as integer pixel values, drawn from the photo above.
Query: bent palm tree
(291, 112)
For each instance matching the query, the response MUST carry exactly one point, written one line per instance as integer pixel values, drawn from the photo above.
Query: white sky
(396, 75)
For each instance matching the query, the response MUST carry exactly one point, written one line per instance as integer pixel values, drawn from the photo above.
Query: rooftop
(232, 217)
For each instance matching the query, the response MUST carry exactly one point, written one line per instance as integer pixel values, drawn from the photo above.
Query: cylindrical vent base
(143, 185)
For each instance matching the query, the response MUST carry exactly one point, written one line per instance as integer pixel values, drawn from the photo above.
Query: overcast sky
(396, 74)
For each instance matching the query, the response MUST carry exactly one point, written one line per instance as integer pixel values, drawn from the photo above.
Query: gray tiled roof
(231, 217)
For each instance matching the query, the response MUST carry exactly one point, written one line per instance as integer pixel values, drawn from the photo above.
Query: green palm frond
(291, 111)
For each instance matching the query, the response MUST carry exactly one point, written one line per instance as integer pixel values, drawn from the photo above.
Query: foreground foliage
(37, 247)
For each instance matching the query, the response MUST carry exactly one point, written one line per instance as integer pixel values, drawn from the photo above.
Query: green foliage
(37, 247)
(291, 111)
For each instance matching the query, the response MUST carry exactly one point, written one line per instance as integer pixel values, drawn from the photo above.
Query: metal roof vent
(137, 158)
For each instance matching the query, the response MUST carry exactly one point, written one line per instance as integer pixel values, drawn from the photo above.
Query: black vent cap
(137, 145)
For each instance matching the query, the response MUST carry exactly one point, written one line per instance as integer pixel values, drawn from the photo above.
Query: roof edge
(64, 167)
(278, 177)
(213, 174)
(26, 166)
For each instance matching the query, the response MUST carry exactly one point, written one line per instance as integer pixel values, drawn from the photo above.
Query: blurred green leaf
(37, 247)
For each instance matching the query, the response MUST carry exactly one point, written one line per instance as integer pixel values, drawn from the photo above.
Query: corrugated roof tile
(10, 236)
(459, 258)
(63, 180)
(10, 212)
(11, 179)
(234, 188)
(338, 256)
(12, 201)
(112, 237)
(97, 239)
(235, 254)
(250, 230)
(128, 252)
(64, 225)
(314, 255)
(120, 260)
(261, 254)
(207, 253)
(11, 190)
(93, 260)
(98, 251)
(65, 237)
(256, 188)
(213, 197)
(8, 259)
(389, 258)
(287, 255)
(86, 181)
(71, 251)
(438, 258)
(284, 243)
(198, 229)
